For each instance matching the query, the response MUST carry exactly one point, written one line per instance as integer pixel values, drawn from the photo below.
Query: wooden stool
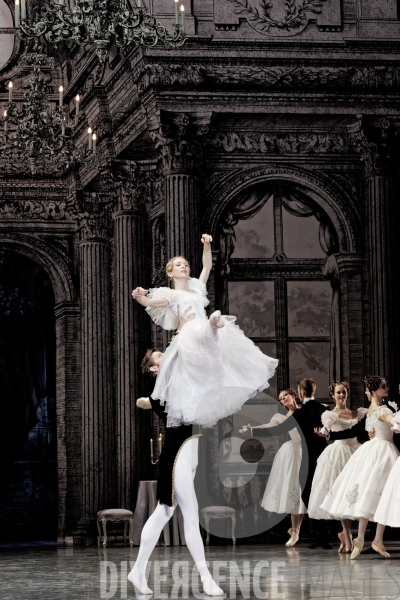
(219, 512)
(114, 514)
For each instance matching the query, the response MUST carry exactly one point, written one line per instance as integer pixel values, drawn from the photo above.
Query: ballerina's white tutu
(283, 493)
(357, 490)
(388, 511)
(206, 373)
(332, 462)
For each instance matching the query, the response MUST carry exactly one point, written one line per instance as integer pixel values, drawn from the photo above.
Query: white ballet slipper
(143, 403)
(139, 582)
(210, 587)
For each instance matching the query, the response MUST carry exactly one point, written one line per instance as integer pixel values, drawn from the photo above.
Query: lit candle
(151, 449)
(5, 122)
(159, 444)
(139, 3)
(10, 87)
(176, 12)
(23, 10)
(94, 140)
(90, 137)
(77, 99)
(183, 18)
(63, 126)
(16, 13)
(61, 90)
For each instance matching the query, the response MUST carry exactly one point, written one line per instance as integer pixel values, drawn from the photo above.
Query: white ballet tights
(185, 470)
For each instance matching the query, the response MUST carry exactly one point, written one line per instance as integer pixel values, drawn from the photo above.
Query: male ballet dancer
(177, 468)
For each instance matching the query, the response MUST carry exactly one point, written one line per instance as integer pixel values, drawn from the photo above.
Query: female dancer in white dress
(211, 368)
(357, 491)
(283, 494)
(388, 511)
(334, 458)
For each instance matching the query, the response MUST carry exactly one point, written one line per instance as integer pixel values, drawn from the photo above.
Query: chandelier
(36, 136)
(101, 22)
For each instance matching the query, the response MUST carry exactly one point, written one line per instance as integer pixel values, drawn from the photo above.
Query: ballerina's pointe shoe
(357, 547)
(380, 548)
(210, 587)
(215, 319)
(342, 544)
(294, 539)
(139, 582)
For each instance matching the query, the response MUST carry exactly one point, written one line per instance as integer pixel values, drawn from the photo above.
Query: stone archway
(68, 371)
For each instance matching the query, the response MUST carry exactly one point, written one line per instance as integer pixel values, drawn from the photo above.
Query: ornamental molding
(199, 75)
(378, 146)
(285, 143)
(49, 210)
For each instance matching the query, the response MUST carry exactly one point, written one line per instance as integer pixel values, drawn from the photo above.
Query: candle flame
(16, 2)
(77, 98)
(94, 137)
(10, 84)
(89, 130)
(5, 113)
(61, 89)
(182, 8)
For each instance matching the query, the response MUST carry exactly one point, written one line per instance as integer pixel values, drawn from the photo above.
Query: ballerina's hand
(245, 430)
(371, 434)
(184, 317)
(139, 291)
(319, 432)
(206, 239)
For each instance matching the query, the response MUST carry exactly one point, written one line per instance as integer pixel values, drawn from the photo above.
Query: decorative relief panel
(277, 18)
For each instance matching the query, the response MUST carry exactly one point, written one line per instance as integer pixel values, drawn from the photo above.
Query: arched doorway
(28, 436)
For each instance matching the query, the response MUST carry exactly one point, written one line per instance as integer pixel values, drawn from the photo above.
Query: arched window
(277, 283)
(6, 39)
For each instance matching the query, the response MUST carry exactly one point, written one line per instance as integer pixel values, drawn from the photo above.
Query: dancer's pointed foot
(357, 547)
(215, 319)
(342, 544)
(378, 546)
(293, 539)
(210, 587)
(139, 582)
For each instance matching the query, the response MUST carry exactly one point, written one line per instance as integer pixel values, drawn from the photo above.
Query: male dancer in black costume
(308, 417)
(177, 467)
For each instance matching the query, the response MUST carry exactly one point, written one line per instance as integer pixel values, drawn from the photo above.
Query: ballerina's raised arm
(207, 258)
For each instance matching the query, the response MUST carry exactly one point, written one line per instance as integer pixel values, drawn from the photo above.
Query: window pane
(253, 303)
(310, 359)
(301, 236)
(309, 308)
(255, 237)
(269, 348)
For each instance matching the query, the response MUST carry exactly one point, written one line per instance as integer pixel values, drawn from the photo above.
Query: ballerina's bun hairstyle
(308, 386)
(335, 383)
(170, 264)
(289, 391)
(147, 362)
(373, 382)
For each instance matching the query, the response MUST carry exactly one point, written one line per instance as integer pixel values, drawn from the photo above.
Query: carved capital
(377, 145)
(181, 139)
(93, 216)
(135, 188)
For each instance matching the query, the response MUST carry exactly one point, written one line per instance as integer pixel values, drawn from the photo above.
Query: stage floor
(247, 571)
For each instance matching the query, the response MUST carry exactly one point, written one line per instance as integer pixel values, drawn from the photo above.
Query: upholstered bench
(114, 514)
(218, 512)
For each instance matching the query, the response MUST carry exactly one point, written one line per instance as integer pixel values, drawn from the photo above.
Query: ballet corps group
(208, 371)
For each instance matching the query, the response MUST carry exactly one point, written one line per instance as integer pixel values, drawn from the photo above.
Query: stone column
(132, 334)
(378, 151)
(98, 451)
(183, 154)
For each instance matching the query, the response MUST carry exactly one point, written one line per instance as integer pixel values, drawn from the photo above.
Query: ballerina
(358, 489)
(334, 457)
(211, 368)
(283, 494)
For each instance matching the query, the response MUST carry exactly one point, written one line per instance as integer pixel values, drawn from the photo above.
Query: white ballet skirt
(388, 511)
(331, 462)
(357, 490)
(206, 373)
(283, 493)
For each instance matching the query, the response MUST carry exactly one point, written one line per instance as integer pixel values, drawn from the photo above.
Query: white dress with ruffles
(357, 491)
(332, 462)
(283, 493)
(388, 511)
(206, 373)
